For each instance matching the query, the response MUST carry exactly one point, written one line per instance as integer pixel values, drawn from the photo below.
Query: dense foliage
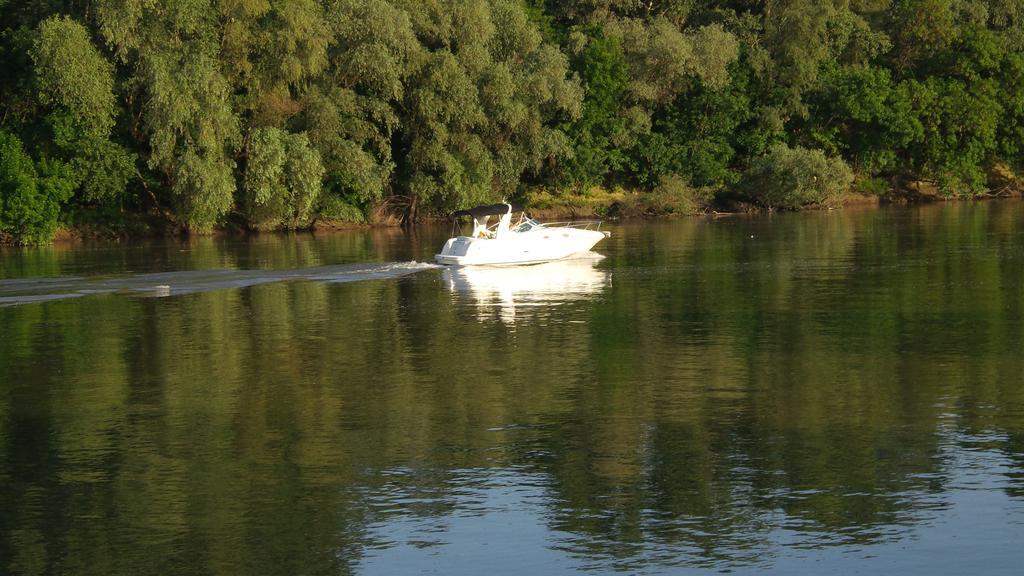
(272, 113)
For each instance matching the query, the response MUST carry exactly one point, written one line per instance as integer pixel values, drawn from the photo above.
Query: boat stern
(454, 251)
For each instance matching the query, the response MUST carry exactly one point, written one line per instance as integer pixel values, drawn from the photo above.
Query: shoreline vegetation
(216, 116)
(617, 206)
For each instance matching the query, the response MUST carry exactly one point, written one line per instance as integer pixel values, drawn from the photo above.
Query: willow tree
(181, 97)
(481, 110)
(352, 111)
(633, 69)
(282, 179)
(75, 85)
(270, 53)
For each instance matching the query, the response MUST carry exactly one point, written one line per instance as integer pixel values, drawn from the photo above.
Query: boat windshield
(526, 224)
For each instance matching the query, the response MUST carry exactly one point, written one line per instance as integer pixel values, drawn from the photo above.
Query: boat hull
(533, 247)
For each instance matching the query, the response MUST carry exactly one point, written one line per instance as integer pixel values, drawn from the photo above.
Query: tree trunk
(411, 211)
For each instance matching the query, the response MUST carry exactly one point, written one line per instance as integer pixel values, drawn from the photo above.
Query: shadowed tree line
(269, 114)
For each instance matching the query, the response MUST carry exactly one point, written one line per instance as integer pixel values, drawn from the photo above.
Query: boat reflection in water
(506, 288)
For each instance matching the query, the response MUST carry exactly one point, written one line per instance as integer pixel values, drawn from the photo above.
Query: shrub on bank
(334, 208)
(589, 202)
(672, 196)
(791, 178)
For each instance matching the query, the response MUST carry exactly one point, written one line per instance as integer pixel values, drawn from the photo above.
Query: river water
(832, 392)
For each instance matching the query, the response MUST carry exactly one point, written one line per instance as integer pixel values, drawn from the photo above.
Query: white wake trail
(27, 290)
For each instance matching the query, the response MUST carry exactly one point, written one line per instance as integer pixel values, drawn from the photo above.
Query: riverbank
(595, 204)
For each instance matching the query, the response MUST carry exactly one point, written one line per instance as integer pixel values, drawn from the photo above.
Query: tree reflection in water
(738, 394)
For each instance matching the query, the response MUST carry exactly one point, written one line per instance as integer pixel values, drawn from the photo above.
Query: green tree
(860, 113)
(30, 198)
(165, 106)
(920, 29)
(76, 84)
(695, 137)
(599, 136)
(1011, 128)
(182, 98)
(479, 112)
(282, 180)
(352, 112)
(960, 123)
(633, 69)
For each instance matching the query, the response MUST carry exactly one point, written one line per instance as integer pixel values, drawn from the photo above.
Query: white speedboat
(524, 241)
